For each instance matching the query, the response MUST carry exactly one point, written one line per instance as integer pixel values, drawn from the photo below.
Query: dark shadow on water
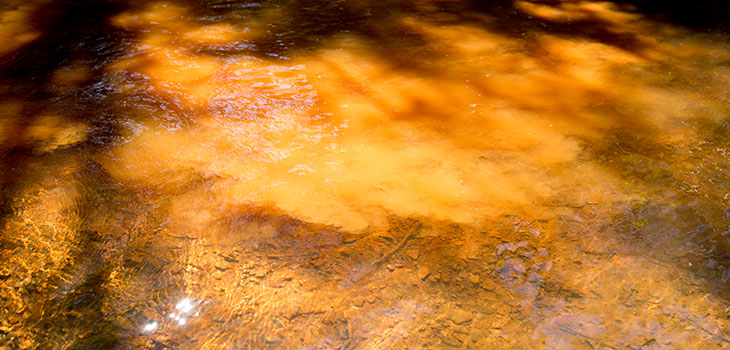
(706, 15)
(307, 23)
(682, 220)
(72, 32)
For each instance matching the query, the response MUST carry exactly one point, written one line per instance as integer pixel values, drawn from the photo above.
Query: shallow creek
(358, 174)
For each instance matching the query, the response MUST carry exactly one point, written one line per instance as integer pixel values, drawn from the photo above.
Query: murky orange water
(362, 175)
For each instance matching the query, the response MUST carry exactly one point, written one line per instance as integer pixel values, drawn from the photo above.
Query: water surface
(364, 175)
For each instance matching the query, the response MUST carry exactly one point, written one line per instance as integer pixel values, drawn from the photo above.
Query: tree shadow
(305, 24)
(680, 218)
(706, 15)
(71, 33)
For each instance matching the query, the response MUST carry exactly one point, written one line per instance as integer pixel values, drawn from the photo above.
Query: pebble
(384, 234)
(423, 273)
(474, 278)
(413, 254)
(269, 338)
(370, 298)
(452, 341)
(349, 239)
(359, 301)
(462, 337)
(459, 316)
(488, 284)
(221, 266)
(24, 343)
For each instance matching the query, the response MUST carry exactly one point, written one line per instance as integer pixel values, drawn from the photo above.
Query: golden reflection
(41, 242)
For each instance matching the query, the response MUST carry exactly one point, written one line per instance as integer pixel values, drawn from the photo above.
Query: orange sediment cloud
(338, 135)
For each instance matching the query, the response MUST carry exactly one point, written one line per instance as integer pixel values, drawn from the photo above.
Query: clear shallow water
(362, 175)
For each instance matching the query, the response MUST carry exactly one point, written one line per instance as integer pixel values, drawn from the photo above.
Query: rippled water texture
(359, 174)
